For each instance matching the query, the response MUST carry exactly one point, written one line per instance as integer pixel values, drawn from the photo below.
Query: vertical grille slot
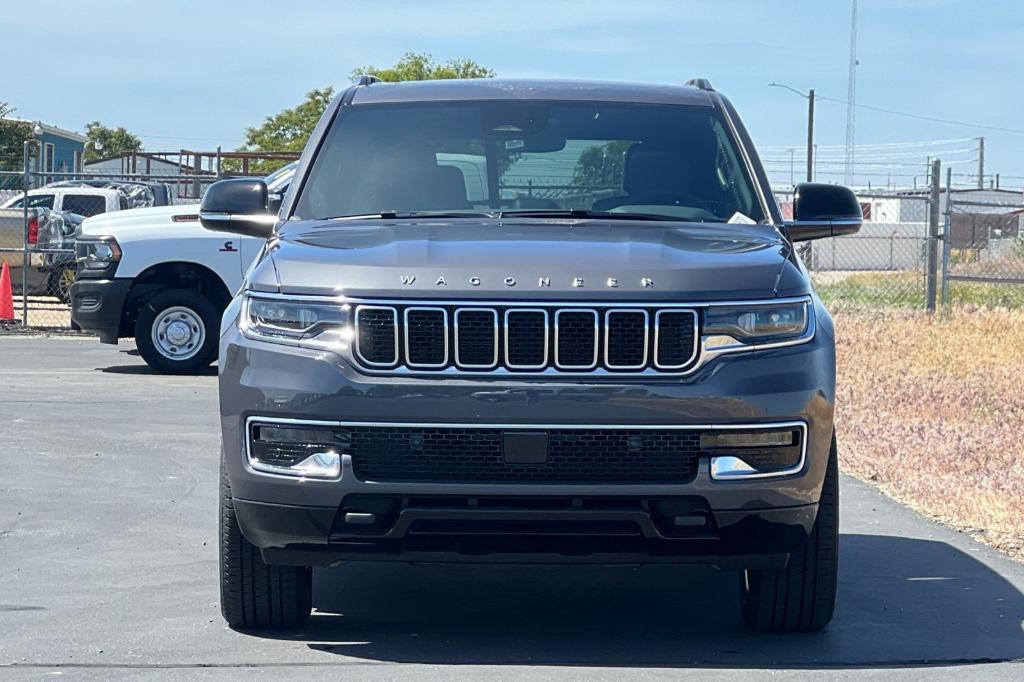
(526, 338)
(675, 338)
(625, 339)
(576, 339)
(476, 338)
(377, 335)
(516, 338)
(426, 337)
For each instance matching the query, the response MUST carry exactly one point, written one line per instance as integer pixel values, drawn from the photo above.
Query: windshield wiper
(583, 213)
(412, 215)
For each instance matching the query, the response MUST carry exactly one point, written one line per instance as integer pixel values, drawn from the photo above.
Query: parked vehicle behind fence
(155, 275)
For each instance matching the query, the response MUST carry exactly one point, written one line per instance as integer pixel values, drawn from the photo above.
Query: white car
(156, 275)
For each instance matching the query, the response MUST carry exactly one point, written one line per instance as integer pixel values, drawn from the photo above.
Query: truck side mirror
(239, 206)
(821, 210)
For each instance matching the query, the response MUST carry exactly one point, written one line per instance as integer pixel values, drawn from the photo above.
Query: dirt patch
(931, 411)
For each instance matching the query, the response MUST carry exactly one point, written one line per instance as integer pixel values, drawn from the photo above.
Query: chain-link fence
(983, 256)
(884, 265)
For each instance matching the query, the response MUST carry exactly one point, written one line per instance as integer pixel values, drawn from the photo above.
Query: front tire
(800, 597)
(176, 332)
(253, 594)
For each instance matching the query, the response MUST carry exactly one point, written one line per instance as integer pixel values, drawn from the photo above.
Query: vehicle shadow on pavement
(908, 602)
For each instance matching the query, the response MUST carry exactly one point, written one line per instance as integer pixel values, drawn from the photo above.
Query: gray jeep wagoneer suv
(529, 321)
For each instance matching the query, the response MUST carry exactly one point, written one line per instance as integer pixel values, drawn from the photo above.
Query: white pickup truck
(156, 275)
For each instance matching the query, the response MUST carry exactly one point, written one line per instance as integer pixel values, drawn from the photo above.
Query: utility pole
(811, 147)
(981, 163)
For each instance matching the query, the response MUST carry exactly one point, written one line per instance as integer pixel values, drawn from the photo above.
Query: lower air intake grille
(395, 453)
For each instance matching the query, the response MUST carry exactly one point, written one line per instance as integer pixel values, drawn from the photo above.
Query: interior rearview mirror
(821, 210)
(239, 206)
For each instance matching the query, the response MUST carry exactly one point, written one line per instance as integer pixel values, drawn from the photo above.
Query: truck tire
(253, 594)
(176, 332)
(800, 597)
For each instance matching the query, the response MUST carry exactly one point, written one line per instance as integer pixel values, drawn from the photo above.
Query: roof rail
(700, 84)
(367, 79)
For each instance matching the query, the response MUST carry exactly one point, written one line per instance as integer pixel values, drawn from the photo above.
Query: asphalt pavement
(108, 568)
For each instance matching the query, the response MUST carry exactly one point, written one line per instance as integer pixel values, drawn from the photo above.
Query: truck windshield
(679, 162)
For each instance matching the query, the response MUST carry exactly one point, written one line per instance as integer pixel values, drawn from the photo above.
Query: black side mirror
(821, 210)
(239, 206)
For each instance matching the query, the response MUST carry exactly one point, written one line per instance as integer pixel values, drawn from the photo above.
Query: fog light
(300, 452)
(754, 453)
(716, 440)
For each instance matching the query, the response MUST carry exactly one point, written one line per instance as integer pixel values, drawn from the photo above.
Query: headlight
(296, 320)
(759, 324)
(97, 254)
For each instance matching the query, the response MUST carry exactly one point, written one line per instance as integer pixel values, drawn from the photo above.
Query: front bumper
(750, 523)
(97, 305)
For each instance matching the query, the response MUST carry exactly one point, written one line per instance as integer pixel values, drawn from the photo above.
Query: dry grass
(932, 412)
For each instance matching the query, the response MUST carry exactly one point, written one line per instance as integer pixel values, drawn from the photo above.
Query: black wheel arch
(171, 275)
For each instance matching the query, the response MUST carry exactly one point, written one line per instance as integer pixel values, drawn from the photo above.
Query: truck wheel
(254, 595)
(800, 597)
(59, 283)
(176, 332)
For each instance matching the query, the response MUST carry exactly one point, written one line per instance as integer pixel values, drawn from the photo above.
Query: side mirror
(821, 210)
(239, 206)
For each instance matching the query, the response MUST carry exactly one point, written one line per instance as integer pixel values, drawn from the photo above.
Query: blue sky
(195, 74)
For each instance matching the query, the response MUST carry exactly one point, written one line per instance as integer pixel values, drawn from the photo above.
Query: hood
(531, 259)
(114, 222)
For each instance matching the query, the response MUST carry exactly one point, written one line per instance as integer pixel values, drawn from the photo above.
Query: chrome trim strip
(356, 344)
(607, 333)
(768, 474)
(593, 364)
(554, 303)
(696, 338)
(249, 421)
(405, 335)
(547, 338)
(494, 315)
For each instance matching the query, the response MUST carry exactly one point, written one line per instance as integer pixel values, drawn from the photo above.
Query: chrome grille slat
(514, 338)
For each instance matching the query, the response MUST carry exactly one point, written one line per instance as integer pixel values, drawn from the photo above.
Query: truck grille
(520, 339)
(577, 455)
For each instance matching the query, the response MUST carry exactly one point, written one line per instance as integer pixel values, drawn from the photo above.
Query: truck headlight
(757, 324)
(276, 318)
(97, 254)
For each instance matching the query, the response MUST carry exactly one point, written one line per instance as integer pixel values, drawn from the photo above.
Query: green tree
(12, 137)
(602, 166)
(420, 66)
(288, 130)
(102, 141)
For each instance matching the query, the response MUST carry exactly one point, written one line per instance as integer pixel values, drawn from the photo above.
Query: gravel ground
(108, 559)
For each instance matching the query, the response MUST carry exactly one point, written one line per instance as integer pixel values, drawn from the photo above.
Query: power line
(933, 119)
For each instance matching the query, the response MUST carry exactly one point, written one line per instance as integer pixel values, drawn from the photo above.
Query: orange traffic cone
(6, 295)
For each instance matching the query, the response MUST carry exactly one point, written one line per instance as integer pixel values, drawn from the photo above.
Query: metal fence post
(24, 234)
(933, 238)
(947, 226)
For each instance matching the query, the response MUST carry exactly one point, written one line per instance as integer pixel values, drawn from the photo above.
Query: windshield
(674, 161)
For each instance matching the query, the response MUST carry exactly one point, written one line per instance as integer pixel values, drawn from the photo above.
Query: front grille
(518, 339)
(578, 455)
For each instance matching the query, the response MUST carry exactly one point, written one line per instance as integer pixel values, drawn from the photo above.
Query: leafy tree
(102, 141)
(420, 66)
(602, 166)
(12, 136)
(288, 130)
